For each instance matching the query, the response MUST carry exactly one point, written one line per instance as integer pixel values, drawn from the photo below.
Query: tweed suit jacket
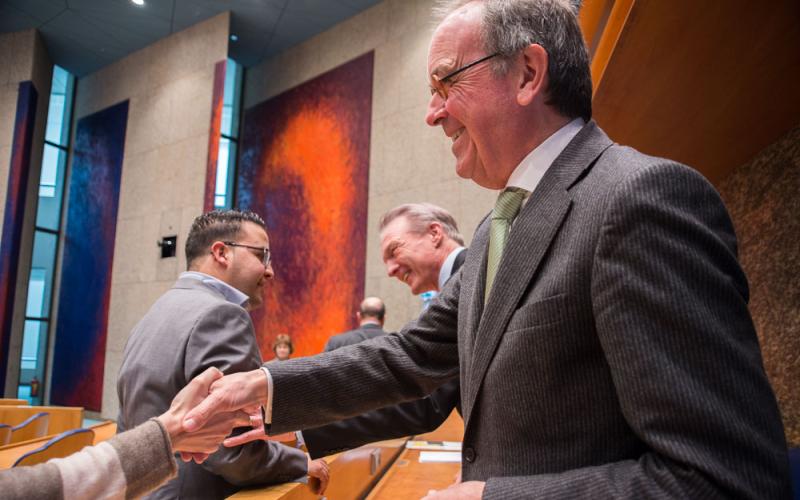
(189, 329)
(615, 356)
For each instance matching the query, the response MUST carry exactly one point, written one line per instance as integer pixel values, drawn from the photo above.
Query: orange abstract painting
(304, 167)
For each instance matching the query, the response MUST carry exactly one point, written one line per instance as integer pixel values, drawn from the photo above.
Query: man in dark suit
(203, 322)
(599, 324)
(421, 246)
(370, 315)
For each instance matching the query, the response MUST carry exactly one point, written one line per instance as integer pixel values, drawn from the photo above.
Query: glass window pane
(36, 286)
(230, 101)
(44, 258)
(51, 187)
(32, 361)
(34, 329)
(222, 167)
(58, 114)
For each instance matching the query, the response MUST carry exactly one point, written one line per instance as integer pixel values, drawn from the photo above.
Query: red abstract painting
(304, 167)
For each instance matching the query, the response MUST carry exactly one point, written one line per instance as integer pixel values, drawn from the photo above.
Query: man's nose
(391, 268)
(269, 273)
(436, 110)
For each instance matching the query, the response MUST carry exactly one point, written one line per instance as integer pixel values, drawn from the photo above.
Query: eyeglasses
(438, 83)
(265, 255)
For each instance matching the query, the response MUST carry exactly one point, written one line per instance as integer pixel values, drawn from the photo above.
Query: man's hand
(258, 434)
(200, 444)
(229, 393)
(318, 475)
(461, 491)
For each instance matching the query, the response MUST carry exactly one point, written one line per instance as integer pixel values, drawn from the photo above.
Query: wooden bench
(13, 402)
(62, 418)
(10, 453)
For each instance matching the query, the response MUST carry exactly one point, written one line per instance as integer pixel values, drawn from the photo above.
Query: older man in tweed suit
(599, 325)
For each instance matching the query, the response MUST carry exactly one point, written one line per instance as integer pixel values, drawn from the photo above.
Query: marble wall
(409, 161)
(762, 197)
(169, 85)
(23, 57)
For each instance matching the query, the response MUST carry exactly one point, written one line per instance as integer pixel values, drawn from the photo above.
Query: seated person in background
(282, 347)
(203, 321)
(130, 464)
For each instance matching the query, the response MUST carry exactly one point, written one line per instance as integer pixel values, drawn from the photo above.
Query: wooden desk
(408, 478)
(350, 472)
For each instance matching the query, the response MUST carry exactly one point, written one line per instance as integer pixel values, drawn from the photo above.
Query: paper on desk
(440, 457)
(434, 445)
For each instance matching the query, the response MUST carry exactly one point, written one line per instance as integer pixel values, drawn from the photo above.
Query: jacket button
(469, 454)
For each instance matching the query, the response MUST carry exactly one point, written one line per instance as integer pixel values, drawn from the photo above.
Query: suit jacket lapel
(530, 237)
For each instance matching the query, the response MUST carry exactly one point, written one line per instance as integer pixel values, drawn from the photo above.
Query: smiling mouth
(406, 276)
(457, 135)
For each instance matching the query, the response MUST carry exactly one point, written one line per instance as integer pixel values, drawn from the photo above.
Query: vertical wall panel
(90, 232)
(304, 167)
(14, 214)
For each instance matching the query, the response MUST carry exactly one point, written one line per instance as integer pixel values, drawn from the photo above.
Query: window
(45, 240)
(229, 135)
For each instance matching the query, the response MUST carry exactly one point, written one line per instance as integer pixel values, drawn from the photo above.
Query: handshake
(203, 414)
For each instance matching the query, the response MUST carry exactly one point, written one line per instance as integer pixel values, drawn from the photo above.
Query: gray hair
(508, 26)
(420, 215)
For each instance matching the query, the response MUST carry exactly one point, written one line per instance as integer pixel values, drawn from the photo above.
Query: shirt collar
(533, 167)
(447, 267)
(230, 293)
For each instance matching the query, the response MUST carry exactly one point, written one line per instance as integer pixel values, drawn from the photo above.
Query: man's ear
(218, 253)
(436, 232)
(533, 77)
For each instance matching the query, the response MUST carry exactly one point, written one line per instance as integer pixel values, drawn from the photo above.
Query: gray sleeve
(670, 305)
(145, 455)
(40, 481)
(224, 338)
(351, 380)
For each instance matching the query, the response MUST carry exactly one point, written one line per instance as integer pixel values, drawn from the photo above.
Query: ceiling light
(234, 38)
(138, 2)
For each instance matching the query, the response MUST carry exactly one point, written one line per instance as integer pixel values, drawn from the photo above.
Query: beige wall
(170, 86)
(409, 161)
(23, 57)
(762, 199)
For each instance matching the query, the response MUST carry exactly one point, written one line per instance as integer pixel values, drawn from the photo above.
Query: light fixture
(234, 38)
(138, 2)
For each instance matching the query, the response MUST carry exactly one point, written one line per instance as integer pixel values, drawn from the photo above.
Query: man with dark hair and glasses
(201, 322)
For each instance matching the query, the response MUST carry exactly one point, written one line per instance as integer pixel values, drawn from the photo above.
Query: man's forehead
(253, 230)
(457, 35)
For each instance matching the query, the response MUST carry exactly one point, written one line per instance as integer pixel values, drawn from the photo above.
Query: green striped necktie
(506, 208)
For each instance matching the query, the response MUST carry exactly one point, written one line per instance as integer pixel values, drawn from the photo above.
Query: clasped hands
(247, 391)
(199, 441)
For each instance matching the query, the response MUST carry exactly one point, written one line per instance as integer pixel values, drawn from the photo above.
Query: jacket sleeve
(670, 307)
(224, 338)
(314, 391)
(404, 419)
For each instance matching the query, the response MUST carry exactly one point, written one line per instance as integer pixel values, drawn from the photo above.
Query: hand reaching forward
(318, 475)
(230, 393)
(200, 444)
(258, 434)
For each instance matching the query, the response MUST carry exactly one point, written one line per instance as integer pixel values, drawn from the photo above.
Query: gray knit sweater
(128, 465)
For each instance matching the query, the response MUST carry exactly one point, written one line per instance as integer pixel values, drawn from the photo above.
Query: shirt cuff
(268, 406)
